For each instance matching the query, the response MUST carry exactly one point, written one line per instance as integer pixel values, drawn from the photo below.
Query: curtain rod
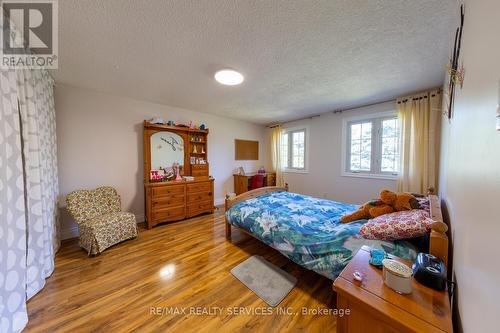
(334, 112)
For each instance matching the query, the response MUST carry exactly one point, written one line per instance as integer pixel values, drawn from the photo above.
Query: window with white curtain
(294, 143)
(371, 146)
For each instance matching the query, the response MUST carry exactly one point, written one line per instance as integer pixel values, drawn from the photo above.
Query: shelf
(147, 124)
(198, 153)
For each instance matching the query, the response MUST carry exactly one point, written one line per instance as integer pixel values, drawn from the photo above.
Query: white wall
(324, 178)
(100, 138)
(470, 171)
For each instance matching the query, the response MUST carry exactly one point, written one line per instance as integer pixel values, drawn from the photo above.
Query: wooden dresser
(374, 307)
(168, 200)
(178, 200)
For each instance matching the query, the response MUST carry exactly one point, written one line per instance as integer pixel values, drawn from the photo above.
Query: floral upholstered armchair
(99, 216)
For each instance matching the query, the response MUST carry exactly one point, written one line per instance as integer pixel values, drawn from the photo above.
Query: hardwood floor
(182, 266)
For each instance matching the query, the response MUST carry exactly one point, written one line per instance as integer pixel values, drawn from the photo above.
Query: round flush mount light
(229, 77)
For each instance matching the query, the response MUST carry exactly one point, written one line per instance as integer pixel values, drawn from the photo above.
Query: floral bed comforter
(308, 230)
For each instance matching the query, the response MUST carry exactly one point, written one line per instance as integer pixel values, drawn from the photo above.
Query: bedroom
(222, 202)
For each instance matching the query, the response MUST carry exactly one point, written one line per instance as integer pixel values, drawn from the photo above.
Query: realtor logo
(29, 34)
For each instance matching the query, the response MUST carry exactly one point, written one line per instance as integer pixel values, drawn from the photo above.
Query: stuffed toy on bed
(389, 202)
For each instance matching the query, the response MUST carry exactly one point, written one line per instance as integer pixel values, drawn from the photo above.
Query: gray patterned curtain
(29, 190)
(35, 93)
(29, 186)
(13, 250)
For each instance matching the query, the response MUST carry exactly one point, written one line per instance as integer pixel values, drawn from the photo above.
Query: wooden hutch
(174, 200)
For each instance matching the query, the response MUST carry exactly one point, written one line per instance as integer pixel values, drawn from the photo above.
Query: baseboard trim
(71, 232)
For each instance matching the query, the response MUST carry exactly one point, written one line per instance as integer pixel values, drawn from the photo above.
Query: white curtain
(29, 190)
(276, 151)
(420, 117)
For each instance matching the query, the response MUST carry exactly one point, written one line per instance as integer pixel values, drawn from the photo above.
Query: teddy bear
(389, 202)
(368, 210)
(399, 201)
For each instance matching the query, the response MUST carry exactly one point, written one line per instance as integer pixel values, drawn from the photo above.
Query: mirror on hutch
(176, 173)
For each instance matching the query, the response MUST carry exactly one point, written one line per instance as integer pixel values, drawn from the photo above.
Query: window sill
(369, 175)
(295, 171)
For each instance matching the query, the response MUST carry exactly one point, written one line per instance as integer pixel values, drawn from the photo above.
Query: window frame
(290, 130)
(376, 147)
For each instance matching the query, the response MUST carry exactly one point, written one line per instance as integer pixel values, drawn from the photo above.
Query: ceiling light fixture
(229, 77)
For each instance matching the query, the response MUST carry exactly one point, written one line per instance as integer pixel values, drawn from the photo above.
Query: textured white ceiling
(299, 58)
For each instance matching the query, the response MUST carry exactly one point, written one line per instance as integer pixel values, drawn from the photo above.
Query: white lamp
(229, 77)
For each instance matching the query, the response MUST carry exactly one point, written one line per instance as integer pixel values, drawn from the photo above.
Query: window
(372, 147)
(293, 149)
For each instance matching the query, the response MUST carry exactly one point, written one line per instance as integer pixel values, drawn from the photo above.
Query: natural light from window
(372, 146)
(293, 150)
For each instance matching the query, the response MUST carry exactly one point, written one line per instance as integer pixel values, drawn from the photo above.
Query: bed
(308, 230)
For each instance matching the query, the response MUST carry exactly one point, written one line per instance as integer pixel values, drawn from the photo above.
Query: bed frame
(438, 241)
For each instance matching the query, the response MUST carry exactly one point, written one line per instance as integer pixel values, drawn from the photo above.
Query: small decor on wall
(455, 71)
(173, 143)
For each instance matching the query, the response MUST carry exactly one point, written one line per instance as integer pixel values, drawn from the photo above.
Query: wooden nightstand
(374, 307)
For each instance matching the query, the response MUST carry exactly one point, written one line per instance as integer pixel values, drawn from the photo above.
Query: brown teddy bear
(389, 202)
(399, 201)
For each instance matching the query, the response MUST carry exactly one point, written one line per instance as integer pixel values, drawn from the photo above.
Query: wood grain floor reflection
(174, 278)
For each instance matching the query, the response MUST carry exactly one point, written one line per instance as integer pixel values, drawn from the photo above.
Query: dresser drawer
(200, 196)
(199, 173)
(168, 190)
(199, 166)
(168, 214)
(199, 207)
(199, 187)
(168, 201)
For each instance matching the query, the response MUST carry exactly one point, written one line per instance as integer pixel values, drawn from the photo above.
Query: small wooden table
(374, 307)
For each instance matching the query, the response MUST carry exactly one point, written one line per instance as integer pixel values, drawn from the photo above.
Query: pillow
(398, 225)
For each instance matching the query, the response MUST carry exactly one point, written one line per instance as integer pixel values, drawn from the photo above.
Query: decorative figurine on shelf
(177, 171)
(190, 124)
(157, 120)
(171, 123)
(261, 171)
(194, 150)
(155, 176)
(203, 150)
(203, 126)
(168, 174)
